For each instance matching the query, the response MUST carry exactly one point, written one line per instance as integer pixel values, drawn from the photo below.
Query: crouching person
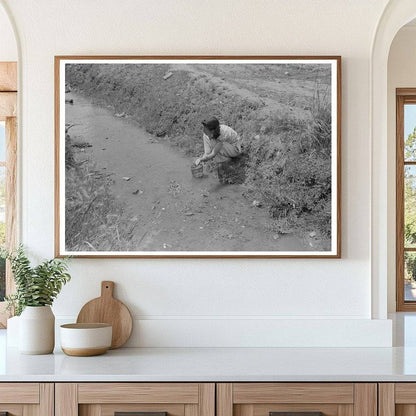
(221, 143)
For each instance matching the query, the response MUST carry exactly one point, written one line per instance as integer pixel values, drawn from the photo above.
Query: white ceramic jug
(37, 330)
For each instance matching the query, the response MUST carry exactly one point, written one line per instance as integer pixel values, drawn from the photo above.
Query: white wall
(401, 74)
(181, 301)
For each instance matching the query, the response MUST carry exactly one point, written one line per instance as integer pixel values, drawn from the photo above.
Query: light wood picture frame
(133, 133)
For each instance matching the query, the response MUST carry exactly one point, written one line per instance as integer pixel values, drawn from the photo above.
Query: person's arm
(212, 154)
(208, 150)
(207, 144)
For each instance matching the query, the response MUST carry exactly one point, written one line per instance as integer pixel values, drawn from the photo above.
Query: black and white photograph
(197, 157)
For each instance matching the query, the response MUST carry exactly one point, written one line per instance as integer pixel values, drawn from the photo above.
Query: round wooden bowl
(86, 339)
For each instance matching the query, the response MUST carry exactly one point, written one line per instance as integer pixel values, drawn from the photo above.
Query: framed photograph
(198, 156)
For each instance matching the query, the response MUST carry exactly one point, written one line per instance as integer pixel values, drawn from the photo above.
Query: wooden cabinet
(27, 399)
(208, 399)
(397, 399)
(106, 399)
(297, 399)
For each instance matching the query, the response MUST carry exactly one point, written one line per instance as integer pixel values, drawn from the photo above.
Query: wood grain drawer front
(405, 393)
(19, 393)
(138, 393)
(27, 399)
(331, 399)
(293, 393)
(105, 399)
(397, 399)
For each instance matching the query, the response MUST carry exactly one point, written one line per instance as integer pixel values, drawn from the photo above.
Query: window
(2, 206)
(8, 171)
(406, 199)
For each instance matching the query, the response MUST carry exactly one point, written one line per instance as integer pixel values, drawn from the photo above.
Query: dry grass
(95, 221)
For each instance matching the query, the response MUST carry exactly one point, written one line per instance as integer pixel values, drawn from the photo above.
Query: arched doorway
(8, 149)
(395, 15)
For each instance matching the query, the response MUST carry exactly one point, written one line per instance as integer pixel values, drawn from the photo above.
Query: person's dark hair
(212, 125)
(216, 132)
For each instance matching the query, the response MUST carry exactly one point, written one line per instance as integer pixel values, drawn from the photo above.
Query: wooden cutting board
(107, 309)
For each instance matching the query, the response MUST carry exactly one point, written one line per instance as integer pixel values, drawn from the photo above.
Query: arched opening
(395, 16)
(8, 149)
(401, 113)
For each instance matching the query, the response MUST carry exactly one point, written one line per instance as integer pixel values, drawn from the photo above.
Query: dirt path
(173, 210)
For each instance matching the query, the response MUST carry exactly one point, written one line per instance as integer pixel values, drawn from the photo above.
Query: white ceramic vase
(37, 330)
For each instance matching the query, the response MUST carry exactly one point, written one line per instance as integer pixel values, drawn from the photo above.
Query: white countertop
(213, 364)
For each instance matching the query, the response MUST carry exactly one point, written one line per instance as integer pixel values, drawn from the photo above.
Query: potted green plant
(36, 289)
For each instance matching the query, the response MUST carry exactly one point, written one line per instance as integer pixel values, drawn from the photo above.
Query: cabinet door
(297, 399)
(397, 399)
(26, 399)
(144, 399)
